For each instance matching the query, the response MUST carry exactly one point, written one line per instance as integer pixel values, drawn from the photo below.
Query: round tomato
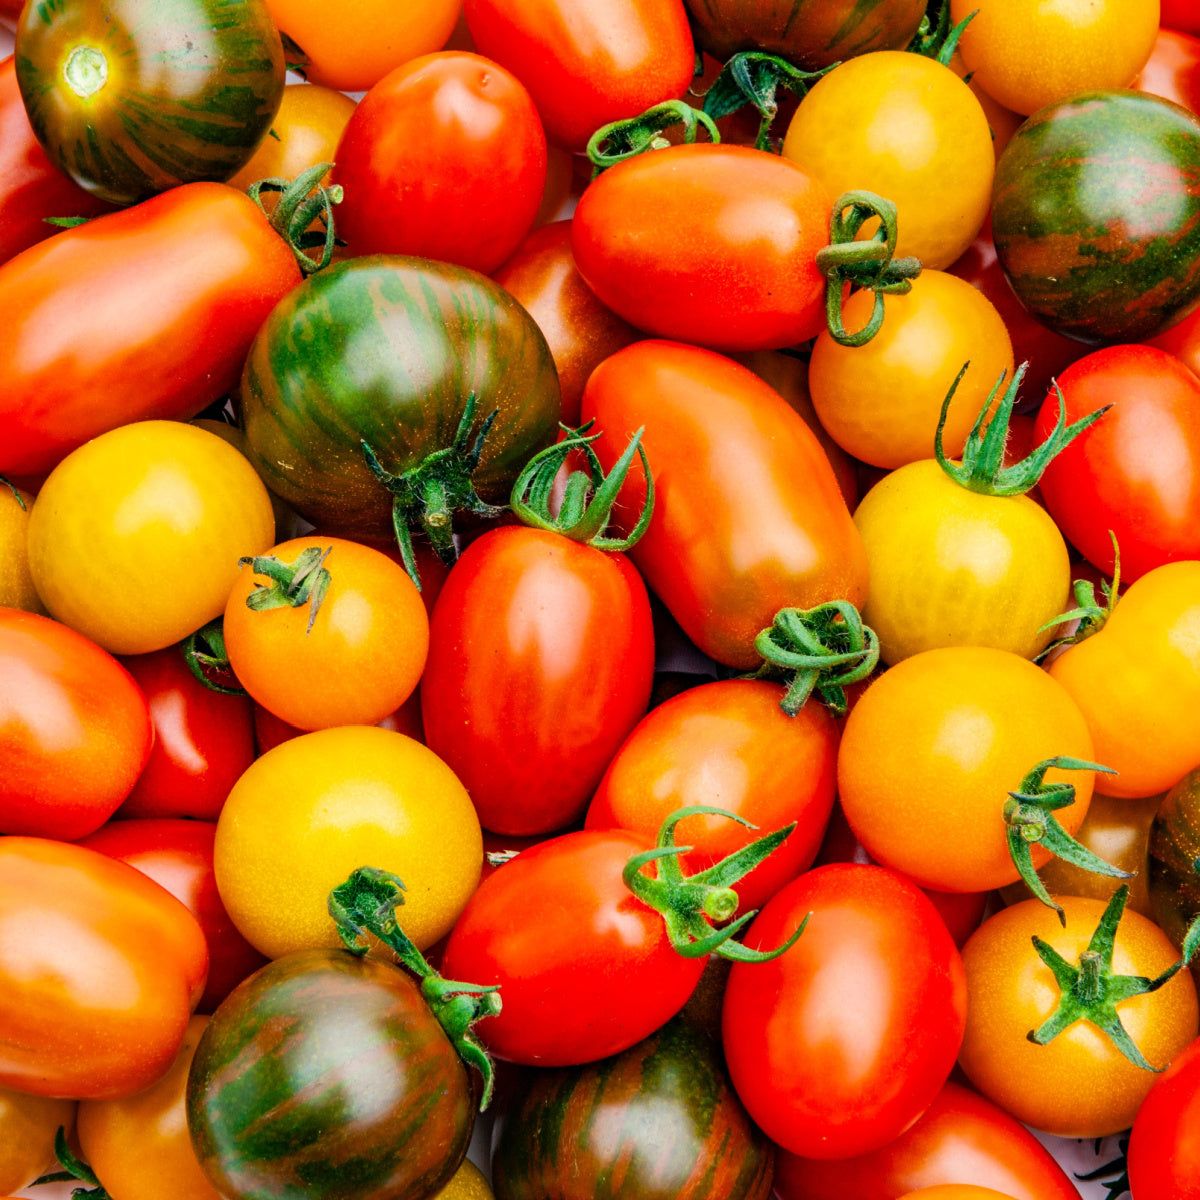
(135, 537)
(27, 1128)
(1180, 14)
(1164, 1147)
(957, 1191)
(315, 808)
(1174, 847)
(1173, 70)
(16, 584)
(75, 732)
(823, 1075)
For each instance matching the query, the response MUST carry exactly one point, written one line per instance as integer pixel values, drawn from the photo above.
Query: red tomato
(748, 518)
(443, 158)
(708, 244)
(1164, 1147)
(178, 855)
(541, 658)
(1180, 14)
(202, 740)
(1136, 472)
(1173, 71)
(143, 313)
(960, 1138)
(837, 1046)
(75, 731)
(587, 62)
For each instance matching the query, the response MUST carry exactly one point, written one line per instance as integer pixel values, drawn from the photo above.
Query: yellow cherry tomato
(135, 537)
(468, 1183)
(16, 583)
(952, 567)
(27, 1128)
(907, 128)
(314, 809)
(880, 402)
(1028, 53)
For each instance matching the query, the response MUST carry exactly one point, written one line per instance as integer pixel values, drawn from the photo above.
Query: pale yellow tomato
(468, 1183)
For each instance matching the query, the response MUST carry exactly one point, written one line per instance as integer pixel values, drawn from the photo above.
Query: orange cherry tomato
(27, 1128)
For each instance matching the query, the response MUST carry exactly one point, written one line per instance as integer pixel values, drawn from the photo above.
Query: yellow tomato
(1029, 53)
(16, 584)
(27, 1128)
(468, 1183)
(315, 808)
(907, 128)
(880, 402)
(135, 537)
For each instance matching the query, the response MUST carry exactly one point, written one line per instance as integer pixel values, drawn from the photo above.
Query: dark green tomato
(326, 1077)
(1175, 858)
(810, 33)
(1096, 215)
(386, 350)
(657, 1122)
(132, 97)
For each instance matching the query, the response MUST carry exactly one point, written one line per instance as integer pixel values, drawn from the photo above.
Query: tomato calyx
(206, 658)
(12, 487)
(870, 264)
(587, 501)
(615, 142)
(73, 1170)
(292, 585)
(434, 490)
(1029, 815)
(754, 77)
(938, 39)
(366, 903)
(689, 903)
(1090, 990)
(982, 468)
(825, 649)
(301, 202)
(1088, 611)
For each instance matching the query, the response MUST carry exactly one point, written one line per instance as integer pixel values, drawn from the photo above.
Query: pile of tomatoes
(715, 677)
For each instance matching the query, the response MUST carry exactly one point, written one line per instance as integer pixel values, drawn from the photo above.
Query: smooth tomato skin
(956, 1191)
(100, 969)
(1136, 472)
(75, 729)
(1080, 1084)
(541, 661)
(839, 1044)
(203, 740)
(444, 158)
(587, 62)
(27, 1128)
(1164, 1147)
(959, 1136)
(143, 313)
(1137, 682)
(748, 518)
(728, 744)
(16, 584)
(1179, 14)
(711, 244)
(1173, 70)
(178, 855)
(591, 975)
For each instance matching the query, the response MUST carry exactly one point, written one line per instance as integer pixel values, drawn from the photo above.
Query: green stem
(205, 655)
(619, 140)
(296, 210)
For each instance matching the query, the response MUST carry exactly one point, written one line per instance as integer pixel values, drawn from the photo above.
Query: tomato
(270, 731)
(16, 584)
(163, 299)
(131, 98)
(960, 1136)
(1174, 847)
(1180, 14)
(728, 743)
(587, 62)
(748, 518)
(1135, 474)
(708, 244)
(1173, 70)
(27, 1128)
(315, 808)
(444, 158)
(1079, 1084)
(135, 537)
(353, 49)
(934, 747)
(880, 402)
(1028, 54)
(907, 128)
(667, 1090)
(1164, 1150)
(139, 1146)
(202, 740)
(467, 1183)
(957, 1191)
(1137, 679)
(350, 655)
(540, 662)
(75, 731)
(824, 1075)
(100, 969)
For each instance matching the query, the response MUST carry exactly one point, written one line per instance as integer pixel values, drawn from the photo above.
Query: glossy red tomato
(1164, 1147)
(443, 158)
(1173, 71)
(1180, 14)
(541, 657)
(587, 62)
(75, 731)
(1136, 472)
(838, 1045)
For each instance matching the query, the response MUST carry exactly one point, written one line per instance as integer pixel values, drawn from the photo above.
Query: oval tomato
(1164, 1147)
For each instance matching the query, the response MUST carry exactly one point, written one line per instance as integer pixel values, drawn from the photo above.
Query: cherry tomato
(16, 584)
(1173, 70)
(1180, 14)
(824, 1073)
(1164, 1147)
(27, 1128)
(957, 1191)
(270, 731)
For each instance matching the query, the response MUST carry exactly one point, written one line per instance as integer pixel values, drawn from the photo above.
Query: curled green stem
(1088, 611)
(619, 140)
(302, 201)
